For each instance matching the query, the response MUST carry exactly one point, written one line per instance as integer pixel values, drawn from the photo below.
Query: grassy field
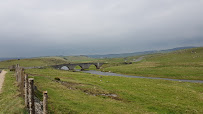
(79, 59)
(10, 102)
(182, 64)
(33, 62)
(45, 61)
(78, 92)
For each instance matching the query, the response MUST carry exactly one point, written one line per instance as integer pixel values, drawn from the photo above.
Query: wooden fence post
(31, 96)
(22, 81)
(26, 91)
(45, 96)
(16, 72)
(19, 75)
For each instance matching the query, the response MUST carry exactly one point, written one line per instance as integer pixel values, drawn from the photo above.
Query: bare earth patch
(91, 90)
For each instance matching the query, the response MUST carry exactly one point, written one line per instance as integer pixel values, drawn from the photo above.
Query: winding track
(139, 59)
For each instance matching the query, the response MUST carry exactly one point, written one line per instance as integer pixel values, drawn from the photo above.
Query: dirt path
(2, 75)
(139, 59)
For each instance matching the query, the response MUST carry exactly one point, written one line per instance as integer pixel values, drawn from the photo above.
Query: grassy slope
(33, 62)
(79, 59)
(182, 64)
(10, 102)
(44, 61)
(134, 95)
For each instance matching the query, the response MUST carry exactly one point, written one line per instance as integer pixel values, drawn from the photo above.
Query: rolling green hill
(136, 53)
(33, 62)
(46, 61)
(78, 59)
(78, 92)
(181, 64)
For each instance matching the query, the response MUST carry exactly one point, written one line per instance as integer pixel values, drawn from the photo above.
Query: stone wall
(27, 89)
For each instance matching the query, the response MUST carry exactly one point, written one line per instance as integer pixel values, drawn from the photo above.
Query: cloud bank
(76, 27)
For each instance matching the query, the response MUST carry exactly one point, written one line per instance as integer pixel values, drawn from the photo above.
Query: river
(121, 75)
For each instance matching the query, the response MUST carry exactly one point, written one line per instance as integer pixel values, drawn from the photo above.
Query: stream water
(115, 74)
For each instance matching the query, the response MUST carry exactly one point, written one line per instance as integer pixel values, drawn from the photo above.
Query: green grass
(79, 92)
(182, 64)
(79, 59)
(75, 94)
(10, 102)
(46, 61)
(33, 62)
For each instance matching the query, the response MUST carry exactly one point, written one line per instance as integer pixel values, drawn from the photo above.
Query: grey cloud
(50, 27)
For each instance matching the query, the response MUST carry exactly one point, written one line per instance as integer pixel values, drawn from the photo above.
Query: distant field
(182, 64)
(32, 62)
(85, 93)
(45, 61)
(78, 59)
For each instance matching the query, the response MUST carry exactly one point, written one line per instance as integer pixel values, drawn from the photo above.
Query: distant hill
(3, 59)
(76, 59)
(136, 53)
(31, 62)
(90, 57)
(179, 64)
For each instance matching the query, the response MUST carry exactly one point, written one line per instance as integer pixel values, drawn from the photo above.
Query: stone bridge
(82, 65)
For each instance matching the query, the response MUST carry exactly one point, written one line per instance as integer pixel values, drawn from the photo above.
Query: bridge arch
(82, 65)
(78, 67)
(98, 65)
(64, 68)
(93, 67)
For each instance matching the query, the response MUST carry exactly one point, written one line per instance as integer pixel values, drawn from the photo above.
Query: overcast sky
(77, 27)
